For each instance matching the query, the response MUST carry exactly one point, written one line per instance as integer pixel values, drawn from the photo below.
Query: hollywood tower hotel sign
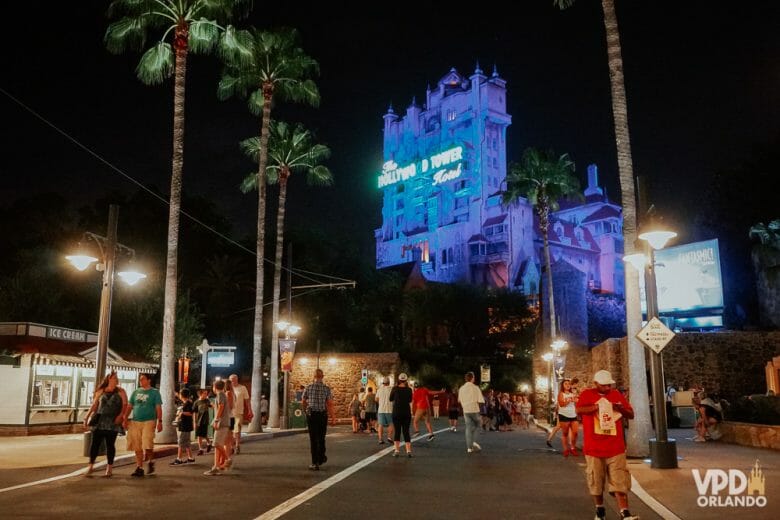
(442, 179)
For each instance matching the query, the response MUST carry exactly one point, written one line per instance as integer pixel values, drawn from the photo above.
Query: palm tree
(639, 433)
(290, 149)
(193, 25)
(278, 70)
(543, 178)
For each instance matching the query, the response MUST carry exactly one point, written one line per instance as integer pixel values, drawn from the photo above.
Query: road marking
(292, 503)
(61, 477)
(651, 502)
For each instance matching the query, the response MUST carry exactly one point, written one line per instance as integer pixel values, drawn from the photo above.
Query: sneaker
(190, 461)
(699, 438)
(601, 513)
(566, 453)
(455, 429)
(200, 452)
(177, 462)
(389, 440)
(430, 437)
(574, 452)
(408, 454)
(151, 468)
(469, 450)
(381, 442)
(549, 444)
(314, 467)
(139, 472)
(626, 515)
(476, 446)
(213, 471)
(396, 453)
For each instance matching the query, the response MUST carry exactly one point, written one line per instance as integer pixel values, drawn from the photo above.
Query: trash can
(88, 444)
(297, 418)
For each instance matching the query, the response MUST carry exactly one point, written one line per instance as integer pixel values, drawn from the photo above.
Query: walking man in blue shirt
(317, 402)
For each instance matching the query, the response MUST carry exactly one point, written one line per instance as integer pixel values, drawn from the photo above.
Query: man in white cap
(601, 408)
(384, 411)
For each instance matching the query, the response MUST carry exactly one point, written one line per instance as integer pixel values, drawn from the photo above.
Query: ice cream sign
(445, 166)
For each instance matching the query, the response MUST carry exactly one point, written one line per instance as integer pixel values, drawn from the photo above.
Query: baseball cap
(402, 376)
(603, 377)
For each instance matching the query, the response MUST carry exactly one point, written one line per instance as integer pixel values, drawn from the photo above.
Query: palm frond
(256, 102)
(203, 37)
(156, 64)
(249, 183)
(250, 147)
(235, 47)
(124, 34)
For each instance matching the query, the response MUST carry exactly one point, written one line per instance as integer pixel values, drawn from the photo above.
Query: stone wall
(342, 374)
(729, 364)
(756, 435)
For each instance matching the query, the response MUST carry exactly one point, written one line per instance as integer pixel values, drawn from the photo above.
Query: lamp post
(548, 356)
(288, 347)
(663, 451)
(108, 247)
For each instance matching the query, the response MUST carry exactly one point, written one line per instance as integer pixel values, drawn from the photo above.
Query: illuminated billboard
(221, 358)
(690, 287)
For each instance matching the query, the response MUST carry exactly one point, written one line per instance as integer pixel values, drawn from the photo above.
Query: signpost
(655, 335)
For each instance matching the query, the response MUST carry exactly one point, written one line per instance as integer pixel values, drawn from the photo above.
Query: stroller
(363, 423)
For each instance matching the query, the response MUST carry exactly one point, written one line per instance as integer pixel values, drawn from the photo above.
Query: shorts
(236, 422)
(563, 418)
(454, 414)
(612, 470)
(385, 419)
(202, 430)
(421, 413)
(184, 439)
(221, 436)
(371, 416)
(140, 435)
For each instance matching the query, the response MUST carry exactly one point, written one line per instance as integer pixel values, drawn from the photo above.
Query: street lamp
(663, 451)
(108, 247)
(548, 356)
(286, 352)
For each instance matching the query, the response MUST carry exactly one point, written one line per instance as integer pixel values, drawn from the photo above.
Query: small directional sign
(655, 335)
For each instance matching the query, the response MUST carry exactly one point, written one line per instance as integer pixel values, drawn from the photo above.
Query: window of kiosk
(52, 386)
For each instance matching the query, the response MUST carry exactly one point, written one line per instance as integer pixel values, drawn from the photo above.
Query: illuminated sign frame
(437, 163)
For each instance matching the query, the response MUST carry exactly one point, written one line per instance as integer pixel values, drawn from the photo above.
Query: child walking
(185, 427)
(202, 406)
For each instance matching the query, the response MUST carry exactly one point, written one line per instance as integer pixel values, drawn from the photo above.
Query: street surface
(516, 476)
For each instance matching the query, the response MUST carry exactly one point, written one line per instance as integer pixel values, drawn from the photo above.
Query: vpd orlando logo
(732, 488)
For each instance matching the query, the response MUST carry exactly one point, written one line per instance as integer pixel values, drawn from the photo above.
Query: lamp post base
(663, 454)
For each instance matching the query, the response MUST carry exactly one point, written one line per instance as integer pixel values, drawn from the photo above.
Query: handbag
(93, 421)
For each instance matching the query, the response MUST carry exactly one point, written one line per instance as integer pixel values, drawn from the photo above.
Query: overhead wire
(299, 272)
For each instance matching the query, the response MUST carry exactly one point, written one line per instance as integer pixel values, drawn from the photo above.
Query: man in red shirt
(601, 408)
(420, 401)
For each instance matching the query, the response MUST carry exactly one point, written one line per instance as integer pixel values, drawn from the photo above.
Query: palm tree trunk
(273, 408)
(544, 225)
(167, 358)
(257, 340)
(639, 433)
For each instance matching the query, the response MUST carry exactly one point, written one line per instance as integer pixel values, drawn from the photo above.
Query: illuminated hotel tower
(442, 178)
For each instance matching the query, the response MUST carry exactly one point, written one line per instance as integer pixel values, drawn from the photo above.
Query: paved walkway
(673, 493)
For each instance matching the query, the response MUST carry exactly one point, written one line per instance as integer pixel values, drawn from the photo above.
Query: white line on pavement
(60, 477)
(651, 502)
(292, 503)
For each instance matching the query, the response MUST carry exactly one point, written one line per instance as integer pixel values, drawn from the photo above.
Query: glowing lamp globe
(131, 277)
(81, 262)
(658, 239)
(638, 260)
(548, 357)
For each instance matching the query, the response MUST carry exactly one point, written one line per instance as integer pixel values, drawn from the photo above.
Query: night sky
(702, 82)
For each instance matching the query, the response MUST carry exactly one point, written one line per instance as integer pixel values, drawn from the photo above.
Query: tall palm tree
(278, 70)
(192, 25)
(639, 433)
(543, 179)
(290, 149)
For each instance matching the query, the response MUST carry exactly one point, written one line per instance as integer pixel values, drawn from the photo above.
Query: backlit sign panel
(443, 166)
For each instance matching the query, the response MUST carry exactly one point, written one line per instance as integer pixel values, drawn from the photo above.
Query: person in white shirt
(241, 410)
(469, 397)
(384, 411)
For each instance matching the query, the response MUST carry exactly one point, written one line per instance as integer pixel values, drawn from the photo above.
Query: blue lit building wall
(443, 175)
